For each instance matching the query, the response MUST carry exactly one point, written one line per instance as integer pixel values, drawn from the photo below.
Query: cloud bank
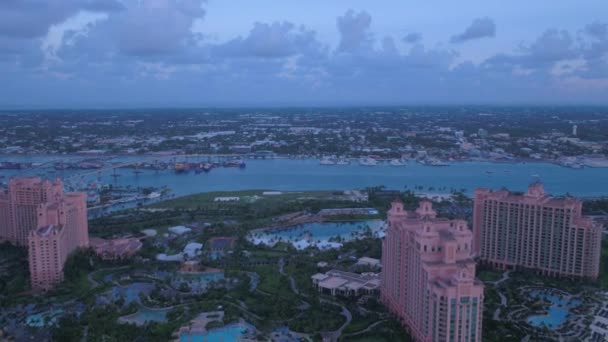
(82, 53)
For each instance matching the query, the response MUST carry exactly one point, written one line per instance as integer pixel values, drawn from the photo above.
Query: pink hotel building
(428, 275)
(50, 223)
(535, 231)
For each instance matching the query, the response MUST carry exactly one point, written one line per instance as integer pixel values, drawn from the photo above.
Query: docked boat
(327, 161)
(153, 195)
(368, 161)
(181, 167)
(343, 162)
(397, 162)
(235, 163)
(436, 162)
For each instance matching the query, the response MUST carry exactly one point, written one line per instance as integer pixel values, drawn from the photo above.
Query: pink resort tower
(536, 231)
(51, 223)
(428, 275)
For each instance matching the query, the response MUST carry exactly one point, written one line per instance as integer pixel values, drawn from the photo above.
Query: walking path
(505, 277)
(503, 298)
(334, 335)
(94, 282)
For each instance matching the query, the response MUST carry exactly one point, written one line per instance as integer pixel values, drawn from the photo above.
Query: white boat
(153, 195)
(327, 161)
(368, 162)
(436, 162)
(397, 162)
(343, 162)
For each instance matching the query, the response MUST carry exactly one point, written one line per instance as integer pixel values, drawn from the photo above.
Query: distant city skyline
(195, 53)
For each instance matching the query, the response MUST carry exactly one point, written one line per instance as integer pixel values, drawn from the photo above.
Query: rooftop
(48, 230)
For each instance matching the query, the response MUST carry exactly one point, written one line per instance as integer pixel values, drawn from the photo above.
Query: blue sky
(172, 53)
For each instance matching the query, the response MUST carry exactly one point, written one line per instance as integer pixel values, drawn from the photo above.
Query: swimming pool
(201, 277)
(557, 312)
(130, 293)
(42, 319)
(231, 332)
(318, 234)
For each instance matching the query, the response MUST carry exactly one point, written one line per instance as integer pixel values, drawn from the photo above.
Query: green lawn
(389, 331)
(489, 275)
(247, 199)
(320, 317)
(360, 322)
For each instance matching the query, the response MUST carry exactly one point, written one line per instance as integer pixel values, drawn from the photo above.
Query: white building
(346, 284)
(179, 230)
(365, 261)
(226, 199)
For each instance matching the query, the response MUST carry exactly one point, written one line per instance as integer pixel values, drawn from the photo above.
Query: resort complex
(318, 171)
(428, 275)
(536, 231)
(51, 223)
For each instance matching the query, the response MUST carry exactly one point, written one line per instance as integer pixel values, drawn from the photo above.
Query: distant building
(227, 199)
(179, 230)
(371, 262)
(5, 231)
(240, 149)
(116, 249)
(348, 211)
(536, 231)
(599, 327)
(222, 243)
(51, 223)
(574, 130)
(428, 275)
(346, 284)
(21, 204)
(387, 194)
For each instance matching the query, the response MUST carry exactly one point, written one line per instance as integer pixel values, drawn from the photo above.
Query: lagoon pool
(557, 313)
(42, 319)
(201, 277)
(130, 293)
(319, 234)
(232, 332)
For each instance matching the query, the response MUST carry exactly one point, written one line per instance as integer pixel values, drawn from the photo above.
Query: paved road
(503, 298)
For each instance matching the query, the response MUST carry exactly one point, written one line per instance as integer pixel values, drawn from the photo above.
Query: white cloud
(78, 26)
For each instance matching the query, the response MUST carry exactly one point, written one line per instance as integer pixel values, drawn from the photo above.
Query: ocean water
(308, 174)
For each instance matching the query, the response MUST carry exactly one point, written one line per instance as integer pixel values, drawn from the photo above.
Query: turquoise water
(130, 293)
(202, 277)
(38, 320)
(199, 277)
(299, 174)
(228, 333)
(144, 315)
(317, 233)
(557, 312)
